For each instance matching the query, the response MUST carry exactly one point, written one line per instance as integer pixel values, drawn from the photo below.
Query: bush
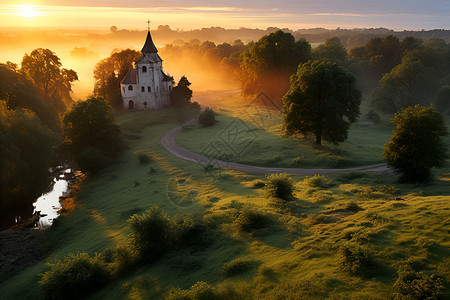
(236, 266)
(93, 160)
(74, 276)
(207, 117)
(279, 186)
(250, 220)
(352, 206)
(356, 258)
(258, 184)
(199, 291)
(151, 234)
(416, 285)
(317, 181)
(144, 159)
(190, 231)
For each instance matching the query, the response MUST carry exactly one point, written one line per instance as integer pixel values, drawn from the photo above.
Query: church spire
(149, 46)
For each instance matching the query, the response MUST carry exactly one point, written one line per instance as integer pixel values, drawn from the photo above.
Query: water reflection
(49, 203)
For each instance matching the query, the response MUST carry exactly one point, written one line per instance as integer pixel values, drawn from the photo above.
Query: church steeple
(149, 46)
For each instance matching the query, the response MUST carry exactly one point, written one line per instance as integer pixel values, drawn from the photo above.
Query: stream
(45, 208)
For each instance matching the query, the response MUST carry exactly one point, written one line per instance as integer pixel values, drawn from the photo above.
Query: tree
(416, 145)
(90, 132)
(181, 94)
(110, 71)
(442, 100)
(323, 100)
(267, 64)
(332, 49)
(44, 68)
(25, 155)
(407, 84)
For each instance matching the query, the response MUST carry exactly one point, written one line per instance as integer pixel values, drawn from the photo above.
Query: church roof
(149, 46)
(166, 78)
(130, 78)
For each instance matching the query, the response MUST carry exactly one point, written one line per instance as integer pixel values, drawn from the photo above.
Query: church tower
(147, 87)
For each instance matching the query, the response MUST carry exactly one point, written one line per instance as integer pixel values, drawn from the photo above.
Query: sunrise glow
(27, 11)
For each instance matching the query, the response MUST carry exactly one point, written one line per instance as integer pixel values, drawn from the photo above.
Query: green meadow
(339, 237)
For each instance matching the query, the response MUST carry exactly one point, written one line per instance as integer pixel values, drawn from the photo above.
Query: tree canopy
(332, 49)
(416, 145)
(181, 94)
(267, 64)
(91, 134)
(110, 71)
(323, 100)
(44, 68)
(25, 154)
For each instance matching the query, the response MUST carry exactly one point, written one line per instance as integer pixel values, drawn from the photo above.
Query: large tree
(90, 133)
(416, 145)
(407, 84)
(332, 49)
(110, 71)
(267, 64)
(181, 94)
(45, 70)
(323, 100)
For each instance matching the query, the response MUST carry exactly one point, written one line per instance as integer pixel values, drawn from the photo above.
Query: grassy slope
(260, 141)
(300, 250)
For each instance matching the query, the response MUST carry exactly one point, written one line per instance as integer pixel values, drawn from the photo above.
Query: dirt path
(168, 142)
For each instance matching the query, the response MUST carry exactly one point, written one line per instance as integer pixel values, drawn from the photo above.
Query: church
(146, 87)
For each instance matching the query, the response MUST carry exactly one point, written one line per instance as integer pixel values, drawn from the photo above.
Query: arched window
(131, 104)
(144, 69)
(130, 87)
(149, 89)
(145, 104)
(170, 87)
(123, 89)
(143, 89)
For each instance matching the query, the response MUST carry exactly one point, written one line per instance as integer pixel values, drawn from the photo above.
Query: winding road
(168, 142)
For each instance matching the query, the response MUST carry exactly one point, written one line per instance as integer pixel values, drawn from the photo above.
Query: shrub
(74, 276)
(250, 220)
(93, 160)
(352, 206)
(298, 161)
(123, 260)
(207, 117)
(144, 158)
(317, 181)
(258, 184)
(199, 291)
(279, 186)
(356, 258)
(190, 231)
(236, 266)
(151, 234)
(416, 285)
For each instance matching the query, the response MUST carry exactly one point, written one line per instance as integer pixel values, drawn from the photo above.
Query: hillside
(339, 236)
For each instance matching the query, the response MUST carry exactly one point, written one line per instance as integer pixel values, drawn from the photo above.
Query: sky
(185, 15)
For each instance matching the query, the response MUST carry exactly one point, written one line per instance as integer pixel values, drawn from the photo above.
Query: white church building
(146, 87)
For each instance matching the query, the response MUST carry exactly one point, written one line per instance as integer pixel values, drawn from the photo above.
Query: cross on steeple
(148, 24)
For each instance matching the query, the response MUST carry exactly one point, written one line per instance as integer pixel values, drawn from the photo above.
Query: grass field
(296, 252)
(253, 135)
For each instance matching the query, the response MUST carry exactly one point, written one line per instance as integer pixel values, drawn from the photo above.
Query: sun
(28, 11)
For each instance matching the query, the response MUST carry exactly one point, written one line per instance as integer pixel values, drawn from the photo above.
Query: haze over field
(404, 14)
